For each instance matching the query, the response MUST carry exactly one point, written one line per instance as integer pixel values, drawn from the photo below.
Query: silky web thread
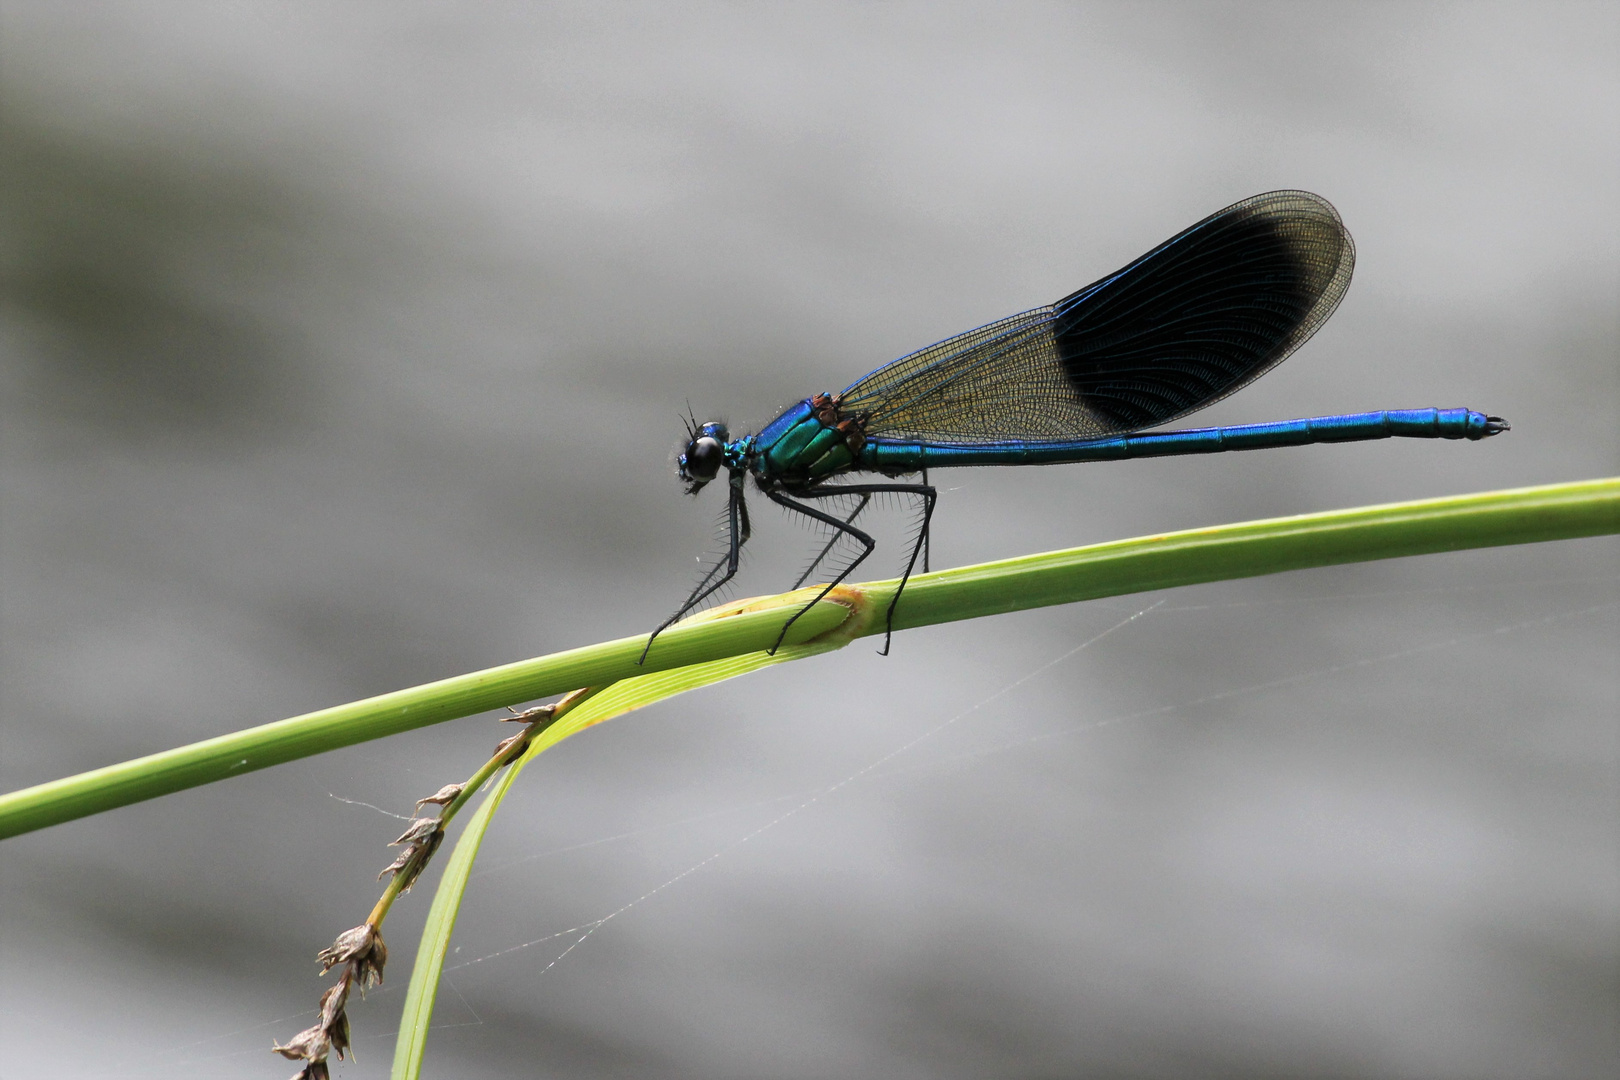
(593, 926)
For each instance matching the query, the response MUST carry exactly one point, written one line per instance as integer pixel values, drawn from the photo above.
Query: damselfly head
(704, 455)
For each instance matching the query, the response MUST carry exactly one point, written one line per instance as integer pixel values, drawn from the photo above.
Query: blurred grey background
(343, 350)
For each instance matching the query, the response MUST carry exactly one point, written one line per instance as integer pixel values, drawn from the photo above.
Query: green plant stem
(379, 911)
(1521, 516)
(255, 748)
(1271, 546)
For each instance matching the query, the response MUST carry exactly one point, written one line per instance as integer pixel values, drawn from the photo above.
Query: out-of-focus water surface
(343, 350)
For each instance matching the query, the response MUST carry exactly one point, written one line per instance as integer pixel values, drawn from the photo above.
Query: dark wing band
(1198, 317)
(1207, 312)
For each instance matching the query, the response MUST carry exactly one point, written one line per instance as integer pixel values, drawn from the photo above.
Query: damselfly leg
(739, 531)
(843, 527)
(832, 542)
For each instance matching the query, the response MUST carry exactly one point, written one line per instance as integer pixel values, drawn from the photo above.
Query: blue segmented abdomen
(890, 455)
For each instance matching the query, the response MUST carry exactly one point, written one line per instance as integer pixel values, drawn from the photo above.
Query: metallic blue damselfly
(1200, 316)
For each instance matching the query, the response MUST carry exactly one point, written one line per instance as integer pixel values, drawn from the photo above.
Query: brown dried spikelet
(410, 863)
(417, 830)
(510, 741)
(363, 947)
(530, 716)
(311, 1044)
(443, 797)
(368, 969)
(334, 1016)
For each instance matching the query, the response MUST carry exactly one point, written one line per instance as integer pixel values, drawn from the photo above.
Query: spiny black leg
(737, 515)
(926, 534)
(817, 560)
(742, 512)
(930, 496)
(843, 527)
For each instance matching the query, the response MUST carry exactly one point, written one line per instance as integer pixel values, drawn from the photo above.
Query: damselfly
(1198, 317)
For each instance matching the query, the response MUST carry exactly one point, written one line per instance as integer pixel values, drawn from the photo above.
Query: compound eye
(703, 458)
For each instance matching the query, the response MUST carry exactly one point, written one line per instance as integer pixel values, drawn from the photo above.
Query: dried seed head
(398, 864)
(349, 945)
(311, 1044)
(410, 863)
(443, 797)
(338, 1032)
(334, 1017)
(419, 829)
(363, 947)
(530, 716)
(368, 969)
(510, 741)
(333, 1001)
(419, 853)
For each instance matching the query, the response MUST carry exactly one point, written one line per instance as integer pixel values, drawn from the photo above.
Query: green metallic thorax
(806, 444)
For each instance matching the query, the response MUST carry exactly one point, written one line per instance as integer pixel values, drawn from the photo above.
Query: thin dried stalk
(361, 952)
